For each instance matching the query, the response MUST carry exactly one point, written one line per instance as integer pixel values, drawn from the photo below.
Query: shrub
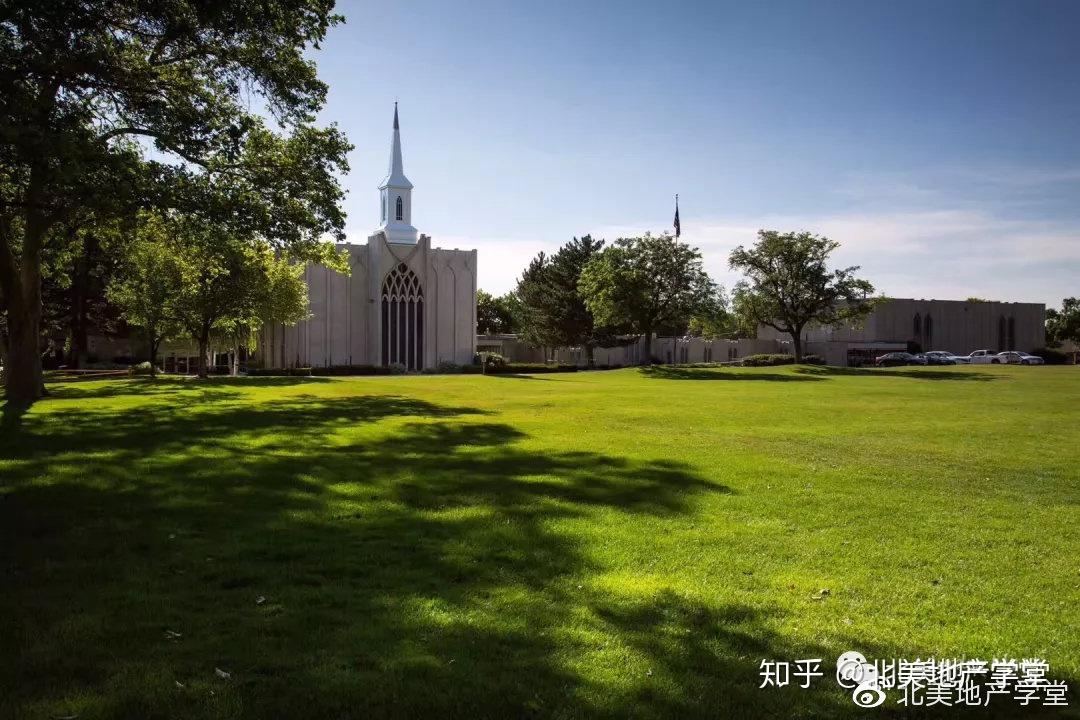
(768, 360)
(398, 369)
(339, 370)
(516, 368)
(448, 367)
(142, 368)
(491, 361)
(279, 372)
(771, 359)
(1051, 356)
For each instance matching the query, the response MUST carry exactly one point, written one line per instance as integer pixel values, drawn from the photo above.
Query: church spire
(396, 176)
(395, 195)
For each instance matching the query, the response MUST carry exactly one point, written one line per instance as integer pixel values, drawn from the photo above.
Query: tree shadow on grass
(960, 374)
(144, 386)
(411, 568)
(666, 372)
(694, 659)
(419, 566)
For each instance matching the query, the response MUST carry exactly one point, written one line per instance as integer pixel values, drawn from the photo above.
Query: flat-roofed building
(958, 326)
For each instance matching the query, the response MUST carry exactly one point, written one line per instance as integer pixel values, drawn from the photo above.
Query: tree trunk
(589, 361)
(80, 282)
(646, 355)
(155, 342)
(204, 351)
(796, 342)
(22, 376)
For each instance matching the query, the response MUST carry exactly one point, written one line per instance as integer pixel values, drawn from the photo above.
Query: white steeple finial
(395, 195)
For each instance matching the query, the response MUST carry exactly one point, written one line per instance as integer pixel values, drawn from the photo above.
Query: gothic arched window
(400, 209)
(403, 318)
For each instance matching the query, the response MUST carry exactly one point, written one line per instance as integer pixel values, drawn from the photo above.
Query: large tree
(646, 284)
(1063, 325)
(148, 289)
(231, 286)
(789, 285)
(555, 307)
(495, 315)
(84, 80)
(715, 320)
(533, 327)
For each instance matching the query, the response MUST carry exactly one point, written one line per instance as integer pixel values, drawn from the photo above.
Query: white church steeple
(395, 195)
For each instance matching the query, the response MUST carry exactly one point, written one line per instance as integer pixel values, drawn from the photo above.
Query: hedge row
(769, 360)
(521, 368)
(279, 372)
(358, 370)
(444, 368)
(1051, 356)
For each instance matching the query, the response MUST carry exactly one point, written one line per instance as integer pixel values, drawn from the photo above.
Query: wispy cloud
(939, 254)
(914, 235)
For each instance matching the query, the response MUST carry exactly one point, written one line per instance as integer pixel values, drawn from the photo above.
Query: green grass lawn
(625, 543)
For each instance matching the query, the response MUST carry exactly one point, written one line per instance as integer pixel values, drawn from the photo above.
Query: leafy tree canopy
(1063, 325)
(555, 308)
(790, 287)
(495, 315)
(647, 284)
(149, 288)
(223, 93)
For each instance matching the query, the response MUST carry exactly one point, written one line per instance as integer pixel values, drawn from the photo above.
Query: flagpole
(678, 232)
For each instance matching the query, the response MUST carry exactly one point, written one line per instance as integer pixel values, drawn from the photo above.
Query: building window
(1011, 334)
(1001, 333)
(382, 207)
(928, 331)
(400, 209)
(403, 319)
(916, 329)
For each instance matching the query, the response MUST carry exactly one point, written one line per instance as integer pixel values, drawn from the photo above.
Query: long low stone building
(957, 326)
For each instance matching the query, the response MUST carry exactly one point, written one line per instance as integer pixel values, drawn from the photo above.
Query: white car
(1012, 357)
(984, 357)
(943, 357)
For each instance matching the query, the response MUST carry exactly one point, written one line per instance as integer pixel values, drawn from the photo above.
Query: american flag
(678, 226)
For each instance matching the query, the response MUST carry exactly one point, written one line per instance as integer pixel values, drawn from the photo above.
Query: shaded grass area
(616, 544)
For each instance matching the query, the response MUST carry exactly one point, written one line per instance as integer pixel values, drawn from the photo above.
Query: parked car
(895, 358)
(941, 357)
(1012, 357)
(920, 359)
(984, 357)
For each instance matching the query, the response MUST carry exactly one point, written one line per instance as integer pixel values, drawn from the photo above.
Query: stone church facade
(403, 303)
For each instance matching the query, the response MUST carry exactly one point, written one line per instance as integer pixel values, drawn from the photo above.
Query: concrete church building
(405, 302)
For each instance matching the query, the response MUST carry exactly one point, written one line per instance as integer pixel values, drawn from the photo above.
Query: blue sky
(938, 142)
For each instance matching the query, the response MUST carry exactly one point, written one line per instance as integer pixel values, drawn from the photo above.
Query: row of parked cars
(942, 357)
